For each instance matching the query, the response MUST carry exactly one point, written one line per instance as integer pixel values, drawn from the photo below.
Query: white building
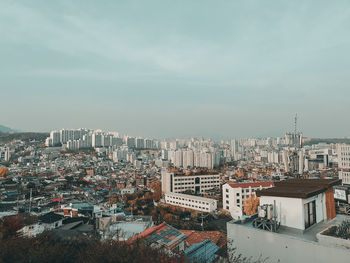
(234, 195)
(191, 202)
(45, 222)
(140, 143)
(180, 182)
(55, 137)
(187, 157)
(343, 151)
(178, 161)
(128, 190)
(121, 154)
(303, 208)
(273, 157)
(97, 140)
(5, 154)
(131, 142)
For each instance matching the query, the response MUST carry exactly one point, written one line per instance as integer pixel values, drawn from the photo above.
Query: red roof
(59, 199)
(253, 185)
(147, 232)
(194, 237)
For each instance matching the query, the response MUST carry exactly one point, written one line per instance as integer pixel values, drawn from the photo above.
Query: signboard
(340, 194)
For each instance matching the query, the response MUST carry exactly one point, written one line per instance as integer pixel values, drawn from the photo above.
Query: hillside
(5, 129)
(24, 136)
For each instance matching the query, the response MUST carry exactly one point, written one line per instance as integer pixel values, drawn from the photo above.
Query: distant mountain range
(5, 129)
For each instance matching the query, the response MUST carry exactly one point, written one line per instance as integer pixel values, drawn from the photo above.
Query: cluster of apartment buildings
(68, 184)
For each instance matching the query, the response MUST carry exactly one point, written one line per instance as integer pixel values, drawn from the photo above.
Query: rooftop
(204, 251)
(162, 234)
(308, 235)
(299, 188)
(251, 184)
(50, 218)
(194, 237)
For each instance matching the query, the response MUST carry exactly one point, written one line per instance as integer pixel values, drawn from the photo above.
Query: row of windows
(184, 179)
(237, 201)
(192, 187)
(188, 200)
(188, 205)
(192, 178)
(228, 208)
(208, 182)
(186, 187)
(245, 190)
(345, 148)
(243, 196)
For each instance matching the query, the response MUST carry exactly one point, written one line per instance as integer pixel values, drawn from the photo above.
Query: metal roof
(204, 251)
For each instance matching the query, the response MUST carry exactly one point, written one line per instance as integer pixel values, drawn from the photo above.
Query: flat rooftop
(194, 174)
(308, 235)
(299, 188)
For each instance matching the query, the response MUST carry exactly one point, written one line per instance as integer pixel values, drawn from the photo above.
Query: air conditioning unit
(265, 211)
(269, 212)
(262, 211)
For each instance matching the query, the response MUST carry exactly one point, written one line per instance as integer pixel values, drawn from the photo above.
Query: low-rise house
(123, 227)
(287, 228)
(165, 237)
(194, 237)
(128, 190)
(45, 222)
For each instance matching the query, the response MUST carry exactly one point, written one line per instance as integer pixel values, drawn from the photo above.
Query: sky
(220, 69)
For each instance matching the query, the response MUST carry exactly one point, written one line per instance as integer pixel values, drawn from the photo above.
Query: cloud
(212, 59)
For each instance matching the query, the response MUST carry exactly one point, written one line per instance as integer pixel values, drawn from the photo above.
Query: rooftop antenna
(295, 124)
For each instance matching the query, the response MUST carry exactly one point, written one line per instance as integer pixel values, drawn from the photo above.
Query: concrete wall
(255, 243)
(235, 211)
(191, 202)
(290, 211)
(332, 241)
(165, 181)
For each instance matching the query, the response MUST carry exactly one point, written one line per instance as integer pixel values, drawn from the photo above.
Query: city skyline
(157, 69)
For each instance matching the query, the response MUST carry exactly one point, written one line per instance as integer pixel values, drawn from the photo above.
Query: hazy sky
(176, 68)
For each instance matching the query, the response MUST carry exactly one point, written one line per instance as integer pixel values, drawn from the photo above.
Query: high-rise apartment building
(5, 154)
(343, 151)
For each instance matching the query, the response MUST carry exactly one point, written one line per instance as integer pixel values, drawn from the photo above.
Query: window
(237, 194)
(238, 201)
(310, 214)
(226, 196)
(227, 207)
(227, 202)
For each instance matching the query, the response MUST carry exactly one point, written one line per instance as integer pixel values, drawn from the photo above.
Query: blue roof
(82, 206)
(202, 252)
(166, 234)
(11, 193)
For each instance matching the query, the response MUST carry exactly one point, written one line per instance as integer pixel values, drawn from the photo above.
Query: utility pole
(30, 200)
